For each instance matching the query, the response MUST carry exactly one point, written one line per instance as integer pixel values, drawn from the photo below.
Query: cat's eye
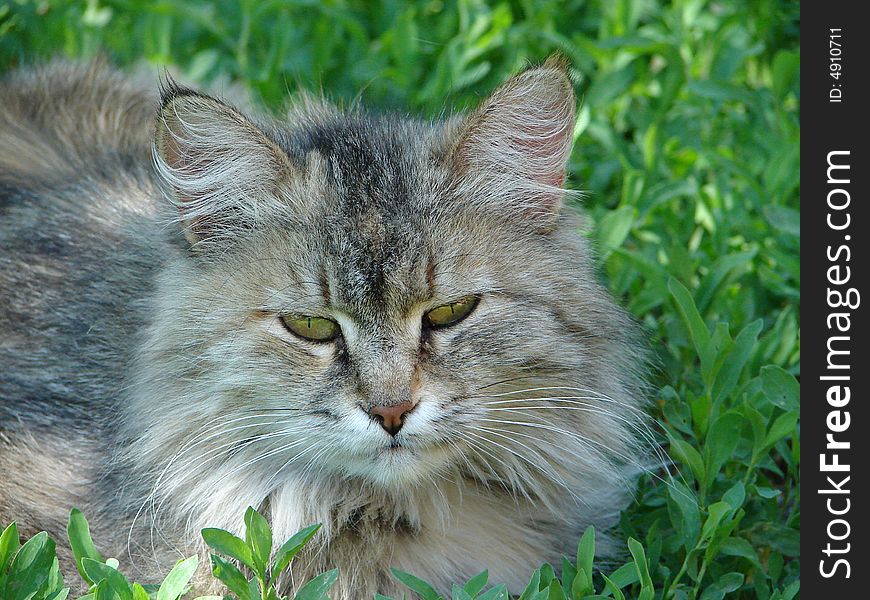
(450, 313)
(315, 329)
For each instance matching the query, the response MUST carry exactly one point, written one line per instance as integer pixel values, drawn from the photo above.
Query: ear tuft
(218, 167)
(517, 143)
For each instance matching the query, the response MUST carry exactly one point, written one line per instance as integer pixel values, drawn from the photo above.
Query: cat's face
(389, 300)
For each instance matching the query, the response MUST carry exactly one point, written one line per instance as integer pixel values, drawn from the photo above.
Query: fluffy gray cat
(385, 325)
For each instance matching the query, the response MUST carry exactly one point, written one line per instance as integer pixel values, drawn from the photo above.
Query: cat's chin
(395, 464)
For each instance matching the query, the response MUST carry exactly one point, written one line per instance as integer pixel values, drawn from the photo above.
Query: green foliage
(31, 571)
(688, 146)
(255, 554)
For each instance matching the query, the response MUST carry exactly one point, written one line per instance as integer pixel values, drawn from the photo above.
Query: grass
(688, 149)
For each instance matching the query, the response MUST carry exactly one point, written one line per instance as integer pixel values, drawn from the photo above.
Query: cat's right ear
(218, 167)
(511, 153)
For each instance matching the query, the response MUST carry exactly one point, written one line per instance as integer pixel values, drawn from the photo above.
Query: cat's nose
(391, 417)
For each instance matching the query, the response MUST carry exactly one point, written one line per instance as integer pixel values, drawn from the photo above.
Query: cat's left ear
(514, 148)
(221, 170)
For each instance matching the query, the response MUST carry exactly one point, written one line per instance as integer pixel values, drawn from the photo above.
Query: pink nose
(391, 417)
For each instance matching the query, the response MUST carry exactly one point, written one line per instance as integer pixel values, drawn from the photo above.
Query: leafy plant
(31, 571)
(255, 553)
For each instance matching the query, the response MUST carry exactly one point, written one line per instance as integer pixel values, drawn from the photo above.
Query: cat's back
(66, 120)
(80, 245)
(77, 207)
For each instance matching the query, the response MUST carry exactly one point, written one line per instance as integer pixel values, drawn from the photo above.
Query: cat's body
(148, 377)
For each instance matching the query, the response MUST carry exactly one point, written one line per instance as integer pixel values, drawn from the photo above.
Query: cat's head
(383, 299)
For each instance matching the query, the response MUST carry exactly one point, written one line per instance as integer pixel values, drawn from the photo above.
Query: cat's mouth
(398, 462)
(395, 445)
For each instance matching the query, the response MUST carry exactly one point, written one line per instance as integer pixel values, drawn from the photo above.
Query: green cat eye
(451, 313)
(316, 329)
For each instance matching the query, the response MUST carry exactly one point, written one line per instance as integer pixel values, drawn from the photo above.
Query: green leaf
(103, 591)
(580, 586)
(426, 591)
(612, 588)
(55, 579)
(228, 544)
(499, 592)
(780, 174)
(9, 544)
(59, 595)
(533, 587)
(30, 568)
(785, 219)
(697, 329)
(702, 408)
(231, 577)
(548, 574)
(647, 591)
(316, 588)
(474, 585)
(258, 536)
(613, 229)
(766, 492)
(291, 547)
(785, 71)
(117, 585)
(569, 574)
(781, 387)
(718, 349)
(784, 425)
(80, 541)
(139, 593)
(677, 413)
(686, 453)
(176, 582)
(778, 536)
(626, 574)
(459, 593)
(735, 546)
(723, 269)
(610, 85)
(685, 515)
(722, 438)
(718, 90)
(585, 559)
(758, 422)
(716, 512)
(555, 591)
(791, 590)
(730, 582)
(737, 358)
(735, 495)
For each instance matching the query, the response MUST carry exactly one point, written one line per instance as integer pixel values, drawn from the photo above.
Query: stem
(672, 589)
(697, 589)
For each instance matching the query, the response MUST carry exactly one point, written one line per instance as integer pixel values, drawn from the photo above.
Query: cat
(389, 326)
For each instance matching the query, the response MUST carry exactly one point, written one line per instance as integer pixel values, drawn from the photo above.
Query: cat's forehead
(374, 181)
(368, 151)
